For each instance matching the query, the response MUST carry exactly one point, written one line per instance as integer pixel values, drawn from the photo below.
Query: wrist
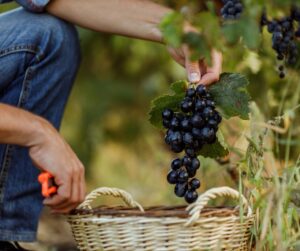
(38, 133)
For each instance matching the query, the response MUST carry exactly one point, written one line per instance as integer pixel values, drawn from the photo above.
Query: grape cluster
(232, 9)
(283, 38)
(295, 15)
(189, 131)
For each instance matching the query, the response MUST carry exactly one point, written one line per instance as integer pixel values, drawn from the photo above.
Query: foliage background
(106, 120)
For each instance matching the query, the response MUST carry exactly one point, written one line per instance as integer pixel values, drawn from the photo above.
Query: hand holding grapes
(198, 71)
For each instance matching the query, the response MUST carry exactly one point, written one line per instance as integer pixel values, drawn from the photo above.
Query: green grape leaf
(198, 46)
(209, 27)
(172, 29)
(167, 101)
(218, 149)
(179, 87)
(231, 95)
(246, 29)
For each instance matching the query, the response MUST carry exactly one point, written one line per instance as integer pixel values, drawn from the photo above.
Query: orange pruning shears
(49, 187)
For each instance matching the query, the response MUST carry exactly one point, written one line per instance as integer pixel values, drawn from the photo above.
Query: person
(39, 57)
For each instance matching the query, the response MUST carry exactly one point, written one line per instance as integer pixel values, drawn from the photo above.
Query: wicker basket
(161, 228)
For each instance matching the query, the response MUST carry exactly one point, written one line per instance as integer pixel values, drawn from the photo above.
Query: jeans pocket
(14, 62)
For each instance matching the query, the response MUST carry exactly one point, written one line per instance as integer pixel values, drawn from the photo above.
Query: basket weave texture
(196, 228)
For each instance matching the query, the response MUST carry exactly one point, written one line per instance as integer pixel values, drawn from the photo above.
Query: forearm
(19, 127)
(133, 18)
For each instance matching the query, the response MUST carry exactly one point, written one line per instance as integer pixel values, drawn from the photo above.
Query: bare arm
(48, 151)
(21, 131)
(133, 18)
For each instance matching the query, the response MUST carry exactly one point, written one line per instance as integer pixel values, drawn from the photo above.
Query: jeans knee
(60, 42)
(53, 38)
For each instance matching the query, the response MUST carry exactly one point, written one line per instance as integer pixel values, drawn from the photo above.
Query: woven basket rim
(156, 211)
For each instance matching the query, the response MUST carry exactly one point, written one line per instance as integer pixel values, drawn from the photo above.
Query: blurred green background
(106, 120)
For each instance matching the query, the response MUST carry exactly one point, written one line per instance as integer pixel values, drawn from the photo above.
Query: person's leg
(39, 58)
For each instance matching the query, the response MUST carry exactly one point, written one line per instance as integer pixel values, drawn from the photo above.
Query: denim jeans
(39, 58)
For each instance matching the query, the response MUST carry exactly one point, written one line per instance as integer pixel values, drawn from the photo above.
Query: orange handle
(48, 186)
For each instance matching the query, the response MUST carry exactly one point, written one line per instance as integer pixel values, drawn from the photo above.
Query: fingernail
(194, 77)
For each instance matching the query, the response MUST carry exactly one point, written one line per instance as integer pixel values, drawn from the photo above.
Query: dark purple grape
(187, 105)
(175, 123)
(181, 189)
(212, 123)
(196, 133)
(182, 176)
(186, 124)
(167, 114)
(207, 112)
(187, 139)
(190, 152)
(201, 90)
(191, 171)
(177, 148)
(191, 196)
(176, 164)
(166, 123)
(195, 184)
(186, 161)
(200, 105)
(176, 138)
(172, 177)
(195, 163)
(190, 92)
(197, 121)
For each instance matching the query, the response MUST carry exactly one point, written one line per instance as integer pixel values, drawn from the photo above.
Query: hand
(51, 153)
(198, 71)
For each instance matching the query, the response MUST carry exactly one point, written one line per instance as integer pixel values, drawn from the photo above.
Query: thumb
(192, 68)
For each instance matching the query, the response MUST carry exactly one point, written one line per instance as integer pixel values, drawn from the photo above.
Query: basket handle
(115, 192)
(196, 208)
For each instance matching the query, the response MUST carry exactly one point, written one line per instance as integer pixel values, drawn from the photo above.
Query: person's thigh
(39, 58)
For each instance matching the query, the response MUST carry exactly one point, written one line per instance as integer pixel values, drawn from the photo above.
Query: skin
(48, 150)
(137, 19)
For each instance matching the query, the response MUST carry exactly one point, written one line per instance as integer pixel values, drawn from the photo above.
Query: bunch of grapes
(295, 14)
(232, 9)
(283, 38)
(189, 131)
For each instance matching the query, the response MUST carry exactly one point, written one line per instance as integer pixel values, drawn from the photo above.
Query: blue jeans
(39, 58)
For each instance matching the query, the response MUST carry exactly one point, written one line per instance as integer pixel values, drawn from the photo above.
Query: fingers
(62, 196)
(192, 67)
(212, 74)
(70, 194)
(177, 55)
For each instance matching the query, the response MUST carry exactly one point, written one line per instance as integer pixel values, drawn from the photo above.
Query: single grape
(195, 163)
(186, 124)
(190, 92)
(197, 133)
(201, 90)
(191, 196)
(186, 161)
(166, 123)
(172, 177)
(195, 184)
(182, 176)
(197, 121)
(191, 152)
(167, 114)
(187, 139)
(180, 189)
(176, 164)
